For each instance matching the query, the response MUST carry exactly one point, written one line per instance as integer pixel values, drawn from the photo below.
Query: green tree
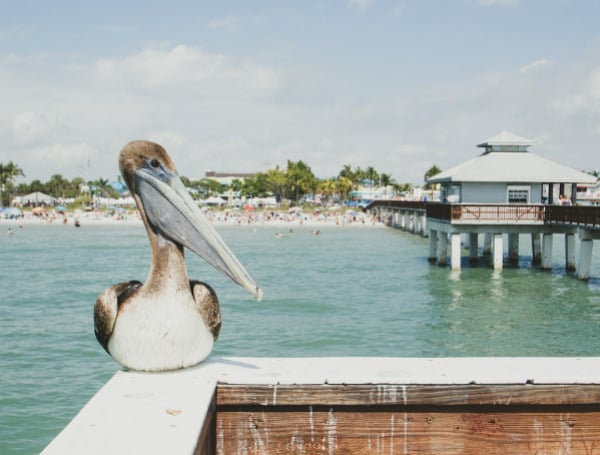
(348, 173)
(344, 185)
(186, 182)
(8, 173)
(372, 175)
(386, 180)
(256, 186)
(433, 170)
(57, 186)
(300, 180)
(276, 180)
(207, 187)
(36, 185)
(75, 187)
(236, 185)
(327, 188)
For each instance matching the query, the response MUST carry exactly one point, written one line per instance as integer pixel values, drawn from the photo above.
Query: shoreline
(218, 219)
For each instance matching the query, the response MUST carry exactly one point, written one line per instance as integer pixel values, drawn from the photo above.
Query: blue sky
(243, 86)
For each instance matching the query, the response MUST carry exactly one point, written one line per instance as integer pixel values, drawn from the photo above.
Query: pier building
(502, 193)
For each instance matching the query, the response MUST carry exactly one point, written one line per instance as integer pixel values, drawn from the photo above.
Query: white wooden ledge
(164, 412)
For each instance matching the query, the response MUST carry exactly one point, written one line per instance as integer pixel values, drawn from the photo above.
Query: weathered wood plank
(206, 440)
(336, 431)
(394, 394)
(388, 418)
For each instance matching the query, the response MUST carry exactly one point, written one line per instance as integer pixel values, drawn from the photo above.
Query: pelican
(168, 322)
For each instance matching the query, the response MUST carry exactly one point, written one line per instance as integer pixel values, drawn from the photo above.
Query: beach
(277, 218)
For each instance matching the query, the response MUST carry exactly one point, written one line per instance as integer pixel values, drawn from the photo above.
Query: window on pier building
(518, 194)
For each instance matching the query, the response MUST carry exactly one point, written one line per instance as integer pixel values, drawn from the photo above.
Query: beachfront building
(508, 173)
(368, 192)
(503, 192)
(227, 178)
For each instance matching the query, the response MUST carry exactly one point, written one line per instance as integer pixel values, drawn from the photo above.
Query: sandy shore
(271, 218)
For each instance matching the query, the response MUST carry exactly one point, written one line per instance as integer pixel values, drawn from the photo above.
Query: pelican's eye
(155, 167)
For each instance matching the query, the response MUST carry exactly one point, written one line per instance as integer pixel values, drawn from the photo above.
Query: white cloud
(581, 97)
(68, 159)
(535, 64)
(229, 23)
(29, 127)
(361, 4)
(398, 9)
(226, 113)
(190, 69)
(497, 2)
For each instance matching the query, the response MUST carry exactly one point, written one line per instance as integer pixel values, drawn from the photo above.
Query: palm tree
(275, 181)
(344, 185)
(386, 179)
(57, 185)
(372, 175)
(433, 170)
(300, 180)
(327, 188)
(8, 173)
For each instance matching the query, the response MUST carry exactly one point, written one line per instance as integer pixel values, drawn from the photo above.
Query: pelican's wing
(107, 307)
(207, 305)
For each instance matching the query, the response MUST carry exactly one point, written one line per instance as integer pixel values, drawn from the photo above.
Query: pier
(353, 405)
(446, 224)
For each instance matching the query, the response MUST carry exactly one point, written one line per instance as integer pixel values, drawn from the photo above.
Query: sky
(239, 86)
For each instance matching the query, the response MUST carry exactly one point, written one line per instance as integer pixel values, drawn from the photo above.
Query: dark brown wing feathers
(208, 305)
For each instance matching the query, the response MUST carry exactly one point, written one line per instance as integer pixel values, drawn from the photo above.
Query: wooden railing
(497, 213)
(581, 215)
(413, 205)
(588, 216)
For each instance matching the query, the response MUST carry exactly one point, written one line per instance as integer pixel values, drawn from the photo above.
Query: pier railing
(491, 213)
(588, 216)
(412, 205)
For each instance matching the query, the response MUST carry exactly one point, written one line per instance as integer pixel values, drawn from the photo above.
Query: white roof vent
(506, 142)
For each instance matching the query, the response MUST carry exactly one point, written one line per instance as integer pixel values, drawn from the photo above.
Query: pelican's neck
(167, 269)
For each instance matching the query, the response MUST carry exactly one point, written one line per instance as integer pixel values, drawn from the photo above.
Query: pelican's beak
(173, 213)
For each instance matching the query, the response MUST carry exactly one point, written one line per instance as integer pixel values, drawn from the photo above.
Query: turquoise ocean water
(347, 292)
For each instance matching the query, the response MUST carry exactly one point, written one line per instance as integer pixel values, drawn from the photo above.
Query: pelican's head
(169, 210)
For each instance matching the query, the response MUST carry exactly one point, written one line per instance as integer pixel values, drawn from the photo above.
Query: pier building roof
(506, 159)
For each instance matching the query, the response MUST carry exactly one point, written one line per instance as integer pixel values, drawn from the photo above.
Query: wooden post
(473, 247)
(513, 248)
(585, 255)
(570, 254)
(455, 251)
(433, 244)
(498, 251)
(546, 251)
(536, 248)
(487, 244)
(442, 251)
